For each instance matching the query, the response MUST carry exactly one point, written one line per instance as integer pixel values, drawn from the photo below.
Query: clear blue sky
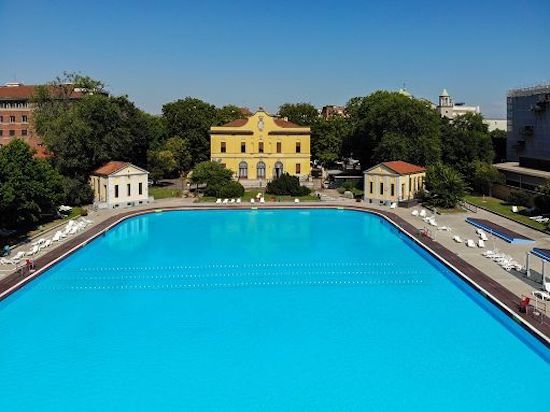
(260, 53)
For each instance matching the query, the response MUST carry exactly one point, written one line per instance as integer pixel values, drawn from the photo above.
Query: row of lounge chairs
(503, 260)
(471, 243)
(71, 228)
(237, 201)
(429, 219)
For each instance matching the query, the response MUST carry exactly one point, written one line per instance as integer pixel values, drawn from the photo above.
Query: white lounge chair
(252, 200)
(225, 201)
(515, 209)
(262, 199)
(33, 251)
(457, 239)
(239, 200)
(18, 256)
(470, 243)
(414, 212)
(422, 213)
(47, 243)
(56, 237)
(545, 293)
(536, 217)
(296, 200)
(481, 243)
(483, 236)
(218, 200)
(232, 201)
(393, 205)
(4, 261)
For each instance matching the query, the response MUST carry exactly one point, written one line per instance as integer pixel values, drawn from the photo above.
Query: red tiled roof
(33, 142)
(110, 167)
(285, 123)
(404, 168)
(236, 123)
(25, 92)
(245, 111)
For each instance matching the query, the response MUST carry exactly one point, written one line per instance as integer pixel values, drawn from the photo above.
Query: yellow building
(392, 182)
(262, 147)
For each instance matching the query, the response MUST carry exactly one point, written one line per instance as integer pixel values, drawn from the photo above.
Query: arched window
(278, 172)
(260, 170)
(243, 170)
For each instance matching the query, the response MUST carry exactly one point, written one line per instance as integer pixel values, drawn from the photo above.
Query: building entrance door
(278, 169)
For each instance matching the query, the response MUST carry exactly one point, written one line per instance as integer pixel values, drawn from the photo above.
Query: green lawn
(504, 208)
(164, 192)
(249, 194)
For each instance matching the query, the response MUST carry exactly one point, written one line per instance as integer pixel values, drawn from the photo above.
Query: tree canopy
(464, 141)
(191, 119)
(29, 187)
(328, 137)
(445, 186)
(303, 114)
(390, 126)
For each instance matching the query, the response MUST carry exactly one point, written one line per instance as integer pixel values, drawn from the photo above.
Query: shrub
(84, 212)
(520, 199)
(287, 185)
(445, 185)
(76, 192)
(227, 190)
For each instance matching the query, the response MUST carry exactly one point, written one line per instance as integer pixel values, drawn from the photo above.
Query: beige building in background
(119, 184)
(394, 181)
(262, 147)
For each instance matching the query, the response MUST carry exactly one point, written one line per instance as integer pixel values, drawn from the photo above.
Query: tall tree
(303, 114)
(191, 119)
(466, 140)
(29, 187)
(227, 114)
(180, 151)
(445, 186)
(91, 131)
(328, 137)
(390, 118)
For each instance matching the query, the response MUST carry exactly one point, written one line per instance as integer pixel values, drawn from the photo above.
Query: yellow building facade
(262, 147)
(393, 181)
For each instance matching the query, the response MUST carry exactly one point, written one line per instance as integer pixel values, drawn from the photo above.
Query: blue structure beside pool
(499, 231)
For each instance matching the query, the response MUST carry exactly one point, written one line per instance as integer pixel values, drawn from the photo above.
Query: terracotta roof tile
(25, 92)
(236, 123)
(404, 168)
(110, 167)
(285, 123)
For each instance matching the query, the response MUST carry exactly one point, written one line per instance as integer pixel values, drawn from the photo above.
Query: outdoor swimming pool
(261, 310)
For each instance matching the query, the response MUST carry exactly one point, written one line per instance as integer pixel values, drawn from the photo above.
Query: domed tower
(445, 106)
(445, 100)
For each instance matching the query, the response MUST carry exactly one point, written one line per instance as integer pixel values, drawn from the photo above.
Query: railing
(538, 308)
(468, 206)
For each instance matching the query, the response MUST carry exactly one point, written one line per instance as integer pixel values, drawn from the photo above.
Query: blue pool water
(294, 310)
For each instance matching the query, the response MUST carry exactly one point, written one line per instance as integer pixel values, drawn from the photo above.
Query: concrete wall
(528, 129)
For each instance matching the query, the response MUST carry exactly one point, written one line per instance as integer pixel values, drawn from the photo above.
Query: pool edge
(457, 265)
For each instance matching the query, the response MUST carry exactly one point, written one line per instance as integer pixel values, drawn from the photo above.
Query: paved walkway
(513, 283)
